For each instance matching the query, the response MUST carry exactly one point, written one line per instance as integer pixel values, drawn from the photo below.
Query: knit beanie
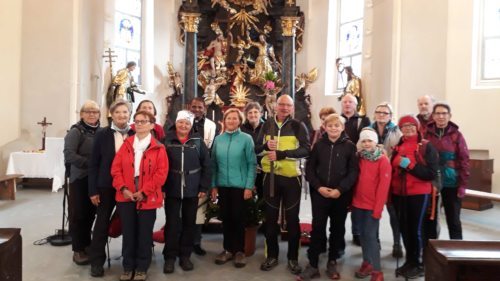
(409, 119)
(185, 115)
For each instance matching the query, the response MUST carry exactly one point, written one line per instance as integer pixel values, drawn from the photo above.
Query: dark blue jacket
(103, 153)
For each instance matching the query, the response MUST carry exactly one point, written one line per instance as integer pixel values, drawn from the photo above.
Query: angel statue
(210, 95)
(304, 80)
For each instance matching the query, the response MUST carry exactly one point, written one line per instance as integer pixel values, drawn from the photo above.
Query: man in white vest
(206, 128)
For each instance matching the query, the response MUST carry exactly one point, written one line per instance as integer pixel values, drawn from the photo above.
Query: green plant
(253, 214)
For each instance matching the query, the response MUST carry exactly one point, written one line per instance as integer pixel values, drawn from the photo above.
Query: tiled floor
(38, 213)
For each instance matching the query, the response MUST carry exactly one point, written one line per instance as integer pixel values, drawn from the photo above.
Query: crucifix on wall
(44, 125)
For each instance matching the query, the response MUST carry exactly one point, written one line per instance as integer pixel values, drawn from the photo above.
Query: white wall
(10, 72)
(475, 111)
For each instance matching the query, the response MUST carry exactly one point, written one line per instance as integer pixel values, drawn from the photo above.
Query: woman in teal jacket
(233, 177)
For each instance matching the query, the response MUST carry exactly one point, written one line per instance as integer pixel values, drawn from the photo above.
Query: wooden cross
(44, 125)
(109, 56)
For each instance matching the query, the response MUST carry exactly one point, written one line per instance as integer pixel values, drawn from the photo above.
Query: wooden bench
(8, 186)
(462, 260)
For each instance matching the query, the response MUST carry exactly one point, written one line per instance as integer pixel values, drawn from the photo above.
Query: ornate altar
(243, 50)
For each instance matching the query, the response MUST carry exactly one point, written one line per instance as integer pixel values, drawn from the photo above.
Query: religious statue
(240, 45)
(123, 85)
(353, 87)
(265, 59)
(174, 82)
(215, 53)
(210, 95)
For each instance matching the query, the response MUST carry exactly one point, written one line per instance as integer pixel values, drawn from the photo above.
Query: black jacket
(77, 149)
(354, 125)
(249, 129)
(103, 154)
(197, 173)
(333, 165)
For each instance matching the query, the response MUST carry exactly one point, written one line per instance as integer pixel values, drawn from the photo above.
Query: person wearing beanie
(370, 195)
(388, 135)
(414, 166)
(188, 179)
(453, 164)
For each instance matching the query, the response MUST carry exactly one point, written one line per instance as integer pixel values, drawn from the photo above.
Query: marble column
(190, 22)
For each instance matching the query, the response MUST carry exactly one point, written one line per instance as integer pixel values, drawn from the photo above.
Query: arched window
(128, 26)
(350, 38)
(486, 44)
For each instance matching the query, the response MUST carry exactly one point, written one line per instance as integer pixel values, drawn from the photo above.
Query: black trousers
(286, 194)
(179, 229)
(322, 209)
(137, 228)
(97, 253)
(452, 206)
(81, 214)
(232, 209)
(411, 211)
(431, 226)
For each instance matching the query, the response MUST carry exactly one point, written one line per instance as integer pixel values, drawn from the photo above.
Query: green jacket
(234, 162)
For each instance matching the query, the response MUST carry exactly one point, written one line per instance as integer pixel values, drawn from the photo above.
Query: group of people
(354, 165)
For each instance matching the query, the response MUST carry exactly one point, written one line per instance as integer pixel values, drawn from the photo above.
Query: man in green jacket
(283, 142)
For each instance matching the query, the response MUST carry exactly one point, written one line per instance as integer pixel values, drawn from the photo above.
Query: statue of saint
(216, 53)
(353, 87)
(266, 58)
(124, 85)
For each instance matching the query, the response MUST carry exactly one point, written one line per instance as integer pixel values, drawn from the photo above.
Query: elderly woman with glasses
(77, 150)
(389, 135)
(139, 171)
(453, 164)
(414, 166)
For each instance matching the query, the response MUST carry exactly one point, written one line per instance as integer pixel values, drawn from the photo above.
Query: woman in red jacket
(139, 170)
(414, 167)
(370, 195)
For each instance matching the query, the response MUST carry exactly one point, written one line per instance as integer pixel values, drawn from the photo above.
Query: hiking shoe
(401, 271)
(223, 257)
(80, 258)
(169, 266)
(377, 276)
(96, 271)
(397, 251)
(240, 260)
(414, 272)
(294, 267)
(365, 270)
(186, 264)
(269, 264)
(308, 273)
(356, 240)
(331, 270)
(140, 276)
(198, 250)
(126, 275)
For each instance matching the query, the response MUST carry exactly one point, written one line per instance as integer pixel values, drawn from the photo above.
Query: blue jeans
(368, 230)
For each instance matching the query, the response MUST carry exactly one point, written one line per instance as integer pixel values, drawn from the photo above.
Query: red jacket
(372, 188)
(153, 173)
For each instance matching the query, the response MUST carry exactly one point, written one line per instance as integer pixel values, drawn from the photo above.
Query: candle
(213, 115)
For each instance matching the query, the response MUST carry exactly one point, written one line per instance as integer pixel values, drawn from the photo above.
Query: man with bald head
(353, 125)
(283, 142)
(425, 104)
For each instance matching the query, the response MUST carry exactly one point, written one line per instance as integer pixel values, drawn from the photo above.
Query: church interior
(54, 59)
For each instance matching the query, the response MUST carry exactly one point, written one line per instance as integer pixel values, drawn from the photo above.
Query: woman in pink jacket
(139, 171)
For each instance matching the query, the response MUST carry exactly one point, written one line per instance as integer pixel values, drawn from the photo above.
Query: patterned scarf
(372, 155)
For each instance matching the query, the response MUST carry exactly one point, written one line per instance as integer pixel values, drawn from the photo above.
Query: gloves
(404, 162)
(461, 192)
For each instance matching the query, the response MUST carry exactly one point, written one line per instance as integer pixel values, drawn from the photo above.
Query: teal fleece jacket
(233, 160)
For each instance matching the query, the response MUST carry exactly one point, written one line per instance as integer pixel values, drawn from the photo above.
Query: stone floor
(38, 213)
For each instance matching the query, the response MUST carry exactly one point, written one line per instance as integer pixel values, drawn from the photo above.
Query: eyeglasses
(285, 104)
(441, 113)
(91, 111)
(382, 112)
(141, 122)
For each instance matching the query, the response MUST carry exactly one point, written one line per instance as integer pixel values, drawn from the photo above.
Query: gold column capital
(289, 25)
(190, 21)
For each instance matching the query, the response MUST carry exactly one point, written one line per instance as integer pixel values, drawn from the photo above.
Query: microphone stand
(62, 237)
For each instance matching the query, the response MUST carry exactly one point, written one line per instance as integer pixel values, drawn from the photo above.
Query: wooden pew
(447, 260)
(8, 187)
(11, 259)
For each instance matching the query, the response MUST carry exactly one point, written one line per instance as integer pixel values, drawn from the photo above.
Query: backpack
(420, 156)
